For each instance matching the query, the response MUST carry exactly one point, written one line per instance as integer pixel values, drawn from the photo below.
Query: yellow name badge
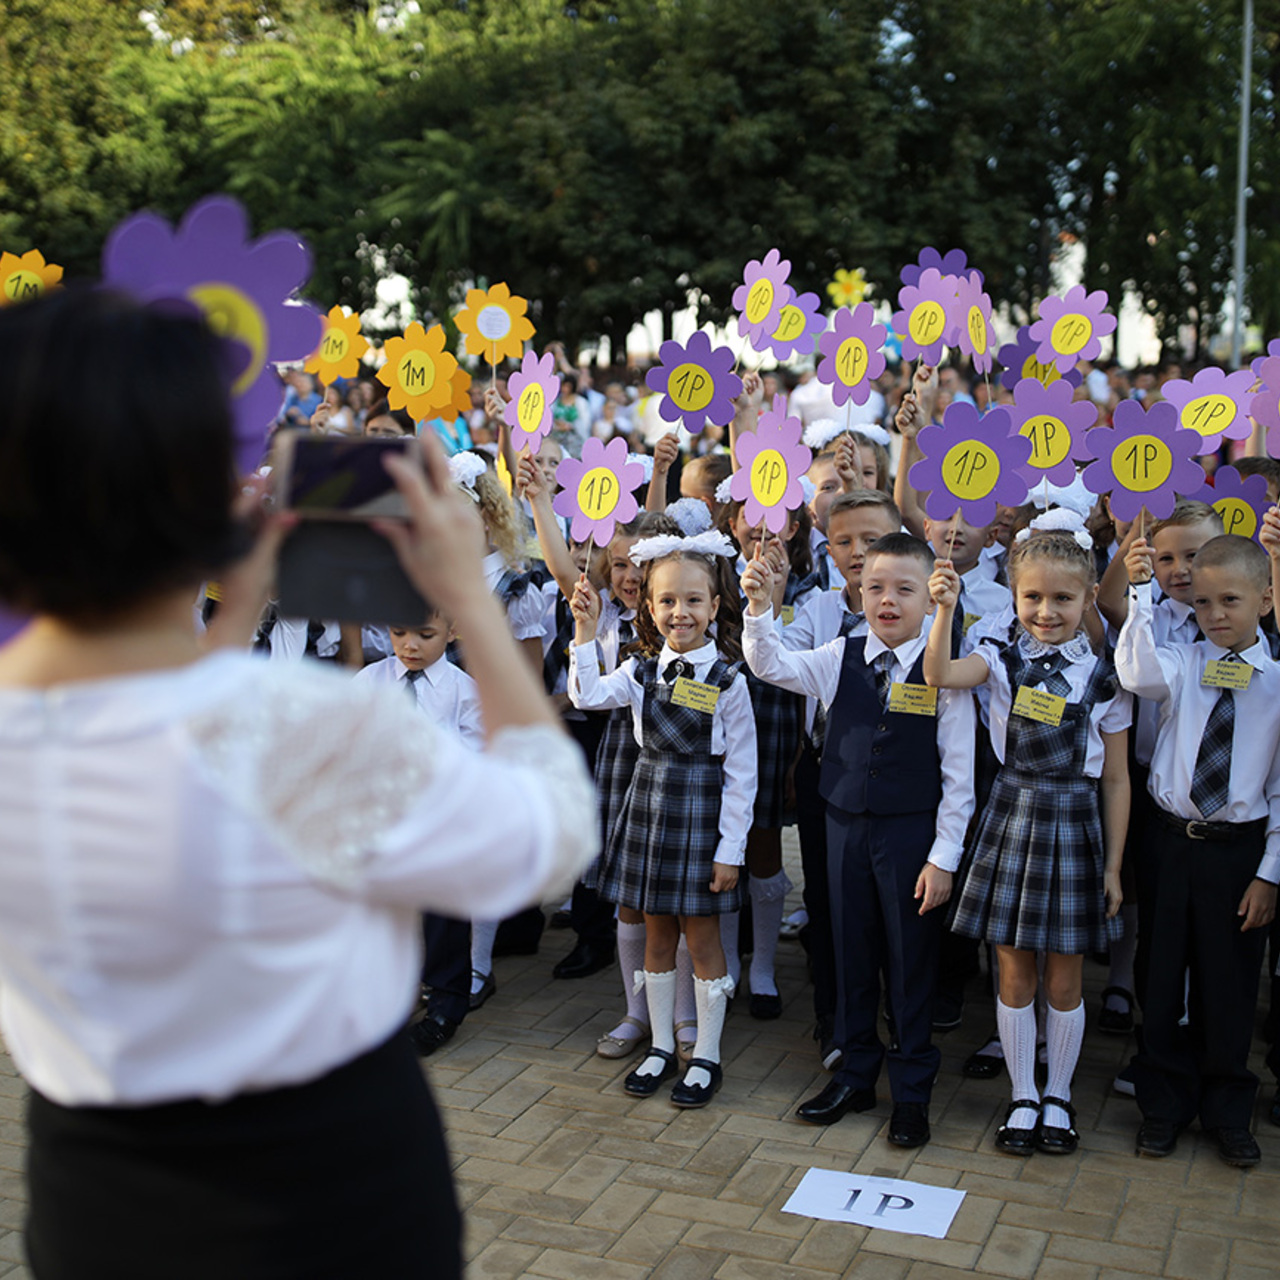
(913, 699)
(788, 614)
(1227, 675)
(695, 694)
(970, 619)
(1036, 704)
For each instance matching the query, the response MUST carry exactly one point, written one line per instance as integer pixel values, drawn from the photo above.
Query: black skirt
(344, 1176)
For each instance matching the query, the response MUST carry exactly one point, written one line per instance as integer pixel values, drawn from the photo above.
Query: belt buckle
(1193, 833)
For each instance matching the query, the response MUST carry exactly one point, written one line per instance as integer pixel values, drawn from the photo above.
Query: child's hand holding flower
(944, 585)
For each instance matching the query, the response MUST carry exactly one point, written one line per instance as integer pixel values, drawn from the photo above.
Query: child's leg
(483, 933)
(1016, 1021)
(768, 887)
(1064, 1027)
(729, 945)
(686, 1005)
(630, 962)
(710, 990)
(662, 936)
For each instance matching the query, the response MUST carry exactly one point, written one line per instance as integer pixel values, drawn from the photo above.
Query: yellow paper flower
(339, 352)
(418, 371)
(27, 277)
(494, 323)
(848, 288)
(461, 402)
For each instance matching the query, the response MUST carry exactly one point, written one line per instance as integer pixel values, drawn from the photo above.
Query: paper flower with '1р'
(761, 296)
(799, 324)
(1055, 423)
(493, 323)
(971, 463)
(419, 371)
(851, 354)
(533, 395)
(340, 349)
(244, 287)
(926, 315)
(1240, 501)
(597, 491)
(1144, 459)
(459, 398)
(23, 279)
(1265, 405)
(771, 461)
(1071, 328)
(848, 288)
(697, 383)
(952, 263)
(1018, 360)
(1214, 403)
(973, 320)
(1273, 349)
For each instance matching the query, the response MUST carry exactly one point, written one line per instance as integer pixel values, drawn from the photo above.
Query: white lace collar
(1077, 649)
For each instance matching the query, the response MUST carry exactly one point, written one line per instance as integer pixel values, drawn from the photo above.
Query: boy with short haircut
(897, 778)
(1267, 468)
(1208, 877)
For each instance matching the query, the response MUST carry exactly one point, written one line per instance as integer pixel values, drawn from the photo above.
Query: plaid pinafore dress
(1034, 879)
(665, 837)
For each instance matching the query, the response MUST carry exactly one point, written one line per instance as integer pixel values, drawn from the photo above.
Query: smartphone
(333, 478)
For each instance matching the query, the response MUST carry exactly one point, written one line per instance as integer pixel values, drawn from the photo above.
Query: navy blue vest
(877, 761)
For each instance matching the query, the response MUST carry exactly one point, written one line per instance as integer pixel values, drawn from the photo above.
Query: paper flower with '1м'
(419, 371)
(1214, 403)
(1055, 423)
(972, 464)
(760, 297)
(23, 279)
(244, 288)
(493, 323)
(926, 315)
(340, 349)
(533, 391)
(598, 491)
(1144, 459)
(1071, 327)
(851, 353)
(848, 288)
(697, 383)
(771, 463)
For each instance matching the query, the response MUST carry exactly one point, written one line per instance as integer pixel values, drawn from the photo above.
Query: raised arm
(1113, 590)
(940, 668)
(530, 483)
(915, 411)
(494, 407)
(746, 411)
(665, 453)
(1143, 667)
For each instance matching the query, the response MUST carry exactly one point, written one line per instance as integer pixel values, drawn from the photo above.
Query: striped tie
(1211, 780)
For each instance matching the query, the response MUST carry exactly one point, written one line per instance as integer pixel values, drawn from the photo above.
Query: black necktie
(884, 676)
(1210, 783)
(262, 640)
(411, 679)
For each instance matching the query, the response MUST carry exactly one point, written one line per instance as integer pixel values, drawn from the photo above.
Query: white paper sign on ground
(888, 1203)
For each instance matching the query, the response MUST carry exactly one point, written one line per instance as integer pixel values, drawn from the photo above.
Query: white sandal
(611, 1046)
(685, 1046)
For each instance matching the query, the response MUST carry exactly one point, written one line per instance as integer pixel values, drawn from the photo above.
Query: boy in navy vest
(897, 776)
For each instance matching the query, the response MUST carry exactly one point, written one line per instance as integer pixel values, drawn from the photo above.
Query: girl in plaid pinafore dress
(1044, 867)
(680, 835)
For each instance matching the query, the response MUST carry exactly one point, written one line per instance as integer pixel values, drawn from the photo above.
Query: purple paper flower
(761, 296)
(530, 410)
(1273, 349)
(1070, 328)
(698, 383)
(799, 324)
(1241, 502)
(851, 354)
(598, 491)
(1214, 403)
(1055, 423)
(971, 463)
(1018, 359)
(1265, 405)
(244, 287)
(926, 315)
(952, 263)
(771, 462)
(972, 310)
(1144, 459)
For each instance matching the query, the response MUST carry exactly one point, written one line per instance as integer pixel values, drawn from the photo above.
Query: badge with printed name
(788, 614)
(969, 620)
(1036, 704)
(913, 699)
(695, 694)
(1226, 675)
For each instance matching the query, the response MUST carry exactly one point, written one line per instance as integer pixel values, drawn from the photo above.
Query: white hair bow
(710, 543)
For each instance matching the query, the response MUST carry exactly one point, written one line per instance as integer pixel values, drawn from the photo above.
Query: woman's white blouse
(210, 878)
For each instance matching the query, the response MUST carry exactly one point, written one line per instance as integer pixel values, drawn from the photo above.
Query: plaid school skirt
(615, 763)
(779, 717)
(1034, 878)
(666, 837)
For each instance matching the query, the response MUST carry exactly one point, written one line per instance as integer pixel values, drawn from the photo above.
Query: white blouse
(210, 877)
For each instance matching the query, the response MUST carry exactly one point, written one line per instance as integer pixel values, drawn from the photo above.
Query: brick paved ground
(562, 1175)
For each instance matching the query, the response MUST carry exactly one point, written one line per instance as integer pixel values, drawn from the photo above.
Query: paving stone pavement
(562, 1175)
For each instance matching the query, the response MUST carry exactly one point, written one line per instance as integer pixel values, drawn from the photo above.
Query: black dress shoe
(1157, 1138)
(1053, 1140)
(909, 1124)
(646, 1085)
(431, 1033)
(1116, 1022)
(982, 1065)
(488, 987)
(691, 1096)
(1018, 1142)
(584, 960)
(1237, 1147)
(765, 1007)
(835, 1102)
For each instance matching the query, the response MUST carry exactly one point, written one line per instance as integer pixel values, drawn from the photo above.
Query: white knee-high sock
(686, 1005)
(729, 942)
(630, 960)
(483, 933)
(767, 897)
(1018, 1039)
(712, 996)
(1065, 1036)
(660, 993)
(1122, 953)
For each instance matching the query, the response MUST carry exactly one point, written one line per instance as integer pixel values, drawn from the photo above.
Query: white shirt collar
(1181, 612)
(1256, 655)
(704, 656)
(905, 654)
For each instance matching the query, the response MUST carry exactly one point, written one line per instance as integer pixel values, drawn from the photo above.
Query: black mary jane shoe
(1053, 1140)
(646, 1085)
(1116, 1022)
(1018, 1142)
(690, 1096)
(981, 1065)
